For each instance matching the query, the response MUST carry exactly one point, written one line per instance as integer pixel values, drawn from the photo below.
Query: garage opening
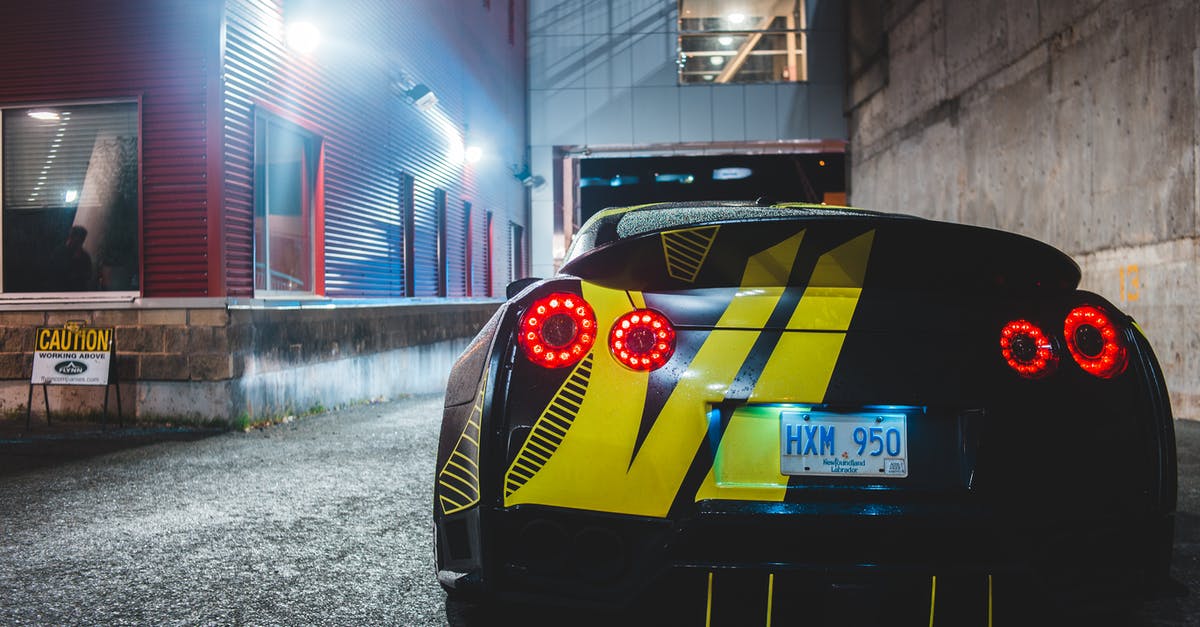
(615, 182)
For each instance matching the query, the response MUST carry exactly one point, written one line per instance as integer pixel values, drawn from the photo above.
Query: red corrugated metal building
(160, 158)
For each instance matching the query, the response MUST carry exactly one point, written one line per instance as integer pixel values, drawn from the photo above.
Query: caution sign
(72, 355)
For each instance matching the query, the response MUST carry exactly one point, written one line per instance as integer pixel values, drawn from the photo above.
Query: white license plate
(837, 444)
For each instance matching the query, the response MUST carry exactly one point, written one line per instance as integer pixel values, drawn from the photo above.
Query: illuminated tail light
(558, 330)
(1027, 349)
(643, 339)
(1095, 342)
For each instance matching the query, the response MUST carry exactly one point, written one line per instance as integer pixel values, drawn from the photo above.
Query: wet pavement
(323, 520)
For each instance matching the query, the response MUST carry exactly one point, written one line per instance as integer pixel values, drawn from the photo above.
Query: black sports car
(760, 409)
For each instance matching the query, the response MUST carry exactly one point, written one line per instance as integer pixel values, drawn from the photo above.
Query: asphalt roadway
(320, 521)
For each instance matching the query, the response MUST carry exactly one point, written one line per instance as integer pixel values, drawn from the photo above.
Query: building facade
(678, 79)
(278, 204)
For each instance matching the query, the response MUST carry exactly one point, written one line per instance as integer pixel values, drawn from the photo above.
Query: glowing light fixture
(473, 154)
(642, 339)
(731, 174)
(421, 97)
(1027, 349)
(558, 330)
(71, 196)
(736, 18)
(44, 115)
(1095, 342)
(725, 41)
(303, 37)
(716, 59)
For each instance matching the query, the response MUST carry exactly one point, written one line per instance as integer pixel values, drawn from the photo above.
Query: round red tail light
(642, 339)
(558, 330)
(1095, 342)
(1027, 349)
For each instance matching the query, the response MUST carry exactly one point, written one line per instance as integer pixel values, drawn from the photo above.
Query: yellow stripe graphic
(932, 598)
(550, 429)
(458, 481)
(591, 468)
(686, 249)
(746, 465)
(770, 596)
(989, 601)
(708, 607)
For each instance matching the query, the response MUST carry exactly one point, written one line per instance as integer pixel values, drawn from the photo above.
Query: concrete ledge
(410, 370)
(226, 362)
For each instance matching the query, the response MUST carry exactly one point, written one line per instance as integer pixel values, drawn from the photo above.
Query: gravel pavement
(323, 520)
(320, 521)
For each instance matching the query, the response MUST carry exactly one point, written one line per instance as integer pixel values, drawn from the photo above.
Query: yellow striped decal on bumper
(458, 481)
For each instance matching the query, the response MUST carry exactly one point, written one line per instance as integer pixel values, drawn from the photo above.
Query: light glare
(303, 37)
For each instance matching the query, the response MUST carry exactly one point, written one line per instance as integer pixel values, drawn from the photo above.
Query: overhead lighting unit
(421, 97)
(731, 174)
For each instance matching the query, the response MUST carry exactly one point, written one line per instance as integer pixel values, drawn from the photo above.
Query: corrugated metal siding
(344, 93)
(75, 50)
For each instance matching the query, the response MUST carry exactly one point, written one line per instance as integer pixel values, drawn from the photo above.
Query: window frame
(408, 186)
(488, 246)
(516, 247)
(796, 36)
(443, 259)
(468, 248)
(89, 295)
(263, 114)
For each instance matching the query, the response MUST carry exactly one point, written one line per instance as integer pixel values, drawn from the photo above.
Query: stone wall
(229, 363)
(1072, 122)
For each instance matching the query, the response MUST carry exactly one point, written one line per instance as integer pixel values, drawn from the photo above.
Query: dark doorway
(617, 182)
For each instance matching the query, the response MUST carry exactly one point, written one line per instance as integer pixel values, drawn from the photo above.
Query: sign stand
(74, 354)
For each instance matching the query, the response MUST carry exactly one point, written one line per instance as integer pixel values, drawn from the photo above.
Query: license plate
(840, 444)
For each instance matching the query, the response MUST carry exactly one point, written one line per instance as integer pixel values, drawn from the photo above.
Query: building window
(408, 215)
(70, 198)
(487, 253)
(468, 248)
(742, 41)
(286, 159)
(439, 212)
(516, 251)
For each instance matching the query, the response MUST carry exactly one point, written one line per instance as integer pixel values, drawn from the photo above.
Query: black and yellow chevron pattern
(458, 481)
(686, 249)
(550, 429)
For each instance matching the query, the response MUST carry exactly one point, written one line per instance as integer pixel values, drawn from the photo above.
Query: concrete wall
(226, 362)
(604, 73)
(1072, 122)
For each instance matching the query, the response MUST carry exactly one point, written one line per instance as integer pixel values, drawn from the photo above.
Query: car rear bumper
(593, 559)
